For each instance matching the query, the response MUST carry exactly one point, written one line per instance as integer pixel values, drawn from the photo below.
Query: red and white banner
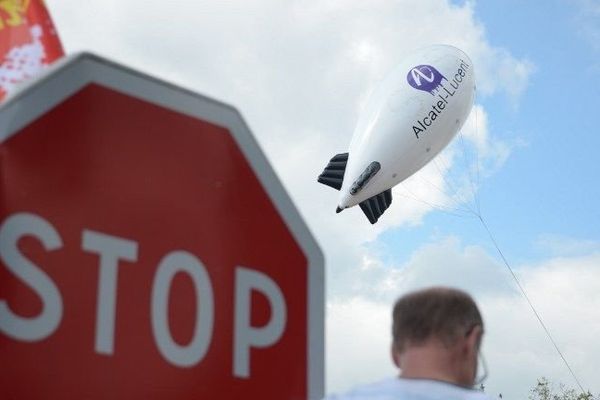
(28, 41)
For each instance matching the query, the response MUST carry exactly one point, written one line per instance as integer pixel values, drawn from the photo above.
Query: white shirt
(410, 389)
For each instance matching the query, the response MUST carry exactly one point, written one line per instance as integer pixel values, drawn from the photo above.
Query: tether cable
(512, 273)
(537, 315)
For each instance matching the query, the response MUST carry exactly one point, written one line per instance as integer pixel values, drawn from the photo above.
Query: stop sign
(147, 249)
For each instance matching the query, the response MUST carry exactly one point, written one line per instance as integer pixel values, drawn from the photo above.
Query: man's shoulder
(378, 390)
(403, 389)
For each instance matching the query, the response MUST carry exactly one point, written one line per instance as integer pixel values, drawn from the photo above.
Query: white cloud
(587, 20)
(560, 245)
(358, 342)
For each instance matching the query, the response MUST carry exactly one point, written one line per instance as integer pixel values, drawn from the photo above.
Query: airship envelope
(409, 118)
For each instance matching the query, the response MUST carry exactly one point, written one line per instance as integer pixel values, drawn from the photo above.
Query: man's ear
(473, 339)
(395, 355)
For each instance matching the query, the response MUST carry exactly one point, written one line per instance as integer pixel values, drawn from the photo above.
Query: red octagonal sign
(147, 249)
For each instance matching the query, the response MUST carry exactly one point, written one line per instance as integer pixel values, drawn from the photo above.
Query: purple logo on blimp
(424, 77)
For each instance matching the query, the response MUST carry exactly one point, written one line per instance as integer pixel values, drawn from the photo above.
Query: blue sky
(549, 185)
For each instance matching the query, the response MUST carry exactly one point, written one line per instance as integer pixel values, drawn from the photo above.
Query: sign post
(147, 249)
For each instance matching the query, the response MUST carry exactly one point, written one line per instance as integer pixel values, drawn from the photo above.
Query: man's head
(436, 334)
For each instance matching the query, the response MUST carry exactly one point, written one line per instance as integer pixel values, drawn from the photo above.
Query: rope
(454, 212)
(512, 273)
(477, 159)
(537, 315)
(476, 212)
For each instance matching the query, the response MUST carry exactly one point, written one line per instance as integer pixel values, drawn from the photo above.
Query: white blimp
(410, 117)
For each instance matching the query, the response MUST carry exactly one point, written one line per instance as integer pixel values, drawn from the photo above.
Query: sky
(301, 71)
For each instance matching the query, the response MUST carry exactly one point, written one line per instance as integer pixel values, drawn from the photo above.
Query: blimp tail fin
(375, 206)
(333, 175)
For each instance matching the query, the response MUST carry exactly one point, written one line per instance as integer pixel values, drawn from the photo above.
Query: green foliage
(544, 390)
